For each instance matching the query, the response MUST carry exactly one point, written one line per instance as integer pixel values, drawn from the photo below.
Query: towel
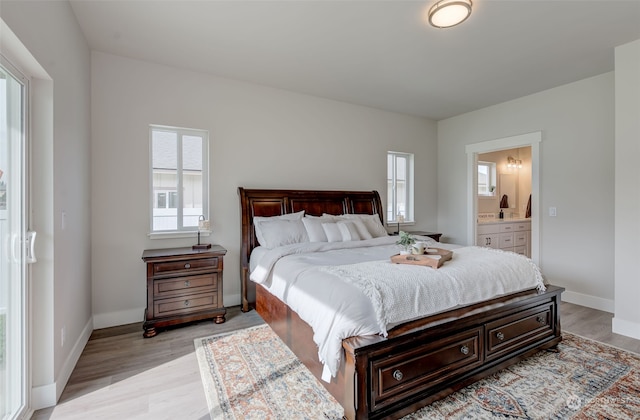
(504, 202)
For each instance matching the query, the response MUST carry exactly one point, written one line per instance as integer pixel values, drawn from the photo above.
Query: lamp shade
(448, 13)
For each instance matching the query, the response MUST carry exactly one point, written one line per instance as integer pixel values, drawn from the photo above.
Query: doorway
(531, 140)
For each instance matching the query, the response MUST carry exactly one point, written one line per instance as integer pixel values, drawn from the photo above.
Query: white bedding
(344, 289)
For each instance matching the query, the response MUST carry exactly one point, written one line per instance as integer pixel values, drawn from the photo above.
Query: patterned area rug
(251, 374)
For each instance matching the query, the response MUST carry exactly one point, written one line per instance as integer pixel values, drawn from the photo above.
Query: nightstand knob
(464, 350)
(541, 319)
(500, 336)
(186, 302)
(187, 283)
(187, 265)
(397, 375)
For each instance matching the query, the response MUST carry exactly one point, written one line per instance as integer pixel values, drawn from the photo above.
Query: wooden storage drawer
(184, 266)
(484, 229)
(506, 240)
(522, 250)
(507, 227)
(518, 330)
(185, 285)
(403, 373)
(520, 239)
(185, 304)
(522, 226)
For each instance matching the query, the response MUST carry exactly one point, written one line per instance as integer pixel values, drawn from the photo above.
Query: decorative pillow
(363, 232)
(279, 232)
(313, 225)
(348, 231)
(371, 221)
(332, 231)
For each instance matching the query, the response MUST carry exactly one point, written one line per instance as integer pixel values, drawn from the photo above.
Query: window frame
(409, 188)
(180, 230)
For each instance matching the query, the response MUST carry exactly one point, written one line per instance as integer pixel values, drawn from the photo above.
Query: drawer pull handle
(464, 350)
(187, 283)
(186, 302)
(187, 265)
(500, 336)
(397, 375)
(542, 320)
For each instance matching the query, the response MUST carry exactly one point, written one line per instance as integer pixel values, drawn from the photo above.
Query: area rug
(251, 374)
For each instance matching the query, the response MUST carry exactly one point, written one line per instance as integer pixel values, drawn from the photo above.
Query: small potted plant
(405, 241)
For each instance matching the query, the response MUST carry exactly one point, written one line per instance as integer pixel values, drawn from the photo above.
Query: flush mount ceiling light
(448, 13)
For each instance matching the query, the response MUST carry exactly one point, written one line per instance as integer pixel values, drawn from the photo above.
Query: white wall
(61, 282)
(576, 176)
(259, 137)
(627, 189)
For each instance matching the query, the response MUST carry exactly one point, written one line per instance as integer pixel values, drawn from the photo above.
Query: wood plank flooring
(123, 375)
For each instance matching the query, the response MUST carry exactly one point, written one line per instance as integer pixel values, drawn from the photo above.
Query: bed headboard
(258, 202)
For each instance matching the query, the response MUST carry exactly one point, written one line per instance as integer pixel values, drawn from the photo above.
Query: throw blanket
(400, 292)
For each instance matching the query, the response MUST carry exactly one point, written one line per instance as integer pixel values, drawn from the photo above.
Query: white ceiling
(376, 53)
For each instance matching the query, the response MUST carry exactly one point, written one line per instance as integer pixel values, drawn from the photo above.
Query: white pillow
(348, 231)
(371, 221)
(332, 231)
(363, 232)
(313, 225)
(279, 232)
(288, 216)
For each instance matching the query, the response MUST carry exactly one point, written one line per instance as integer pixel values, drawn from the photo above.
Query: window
(399, 186)
(179, 178)
(486, 179)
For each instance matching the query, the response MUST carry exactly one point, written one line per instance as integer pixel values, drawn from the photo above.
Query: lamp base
(201, 246)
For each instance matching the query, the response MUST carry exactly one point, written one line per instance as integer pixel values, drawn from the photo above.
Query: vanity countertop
(505, 220)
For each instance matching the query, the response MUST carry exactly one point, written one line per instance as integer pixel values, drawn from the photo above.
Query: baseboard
(627, 328)
(113, 319)
(47, 395)
(589, 301)
(232, 300)
(43, 396)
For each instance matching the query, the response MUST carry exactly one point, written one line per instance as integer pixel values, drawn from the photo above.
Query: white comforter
(344, 289)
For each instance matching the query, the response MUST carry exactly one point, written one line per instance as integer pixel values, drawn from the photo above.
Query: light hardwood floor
(121, 375)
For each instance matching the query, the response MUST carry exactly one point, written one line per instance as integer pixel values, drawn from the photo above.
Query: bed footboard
(425, 360)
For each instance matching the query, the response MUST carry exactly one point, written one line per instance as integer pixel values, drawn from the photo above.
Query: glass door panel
(12, 236)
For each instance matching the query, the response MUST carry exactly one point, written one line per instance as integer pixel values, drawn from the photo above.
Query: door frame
(522, 140)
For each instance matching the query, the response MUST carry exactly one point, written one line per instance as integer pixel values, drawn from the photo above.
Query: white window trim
(410, 211)
(181, 232)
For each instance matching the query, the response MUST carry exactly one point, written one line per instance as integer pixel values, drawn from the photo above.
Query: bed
(418, 361)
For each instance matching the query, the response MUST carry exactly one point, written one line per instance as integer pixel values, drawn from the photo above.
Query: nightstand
(183, 285)
(434, 235)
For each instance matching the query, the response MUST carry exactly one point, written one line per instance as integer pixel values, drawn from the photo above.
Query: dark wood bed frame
(420, 361)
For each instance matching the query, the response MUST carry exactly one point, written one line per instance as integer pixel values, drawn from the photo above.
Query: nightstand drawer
(185, 266)
(185, 285)
(185, 305)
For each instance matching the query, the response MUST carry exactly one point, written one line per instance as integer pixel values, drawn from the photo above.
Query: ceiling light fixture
(514, 163)
(448, 13)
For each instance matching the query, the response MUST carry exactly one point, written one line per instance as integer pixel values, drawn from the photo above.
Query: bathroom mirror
(508, 186)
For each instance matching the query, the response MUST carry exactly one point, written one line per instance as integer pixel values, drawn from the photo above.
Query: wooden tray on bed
(434, 257)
